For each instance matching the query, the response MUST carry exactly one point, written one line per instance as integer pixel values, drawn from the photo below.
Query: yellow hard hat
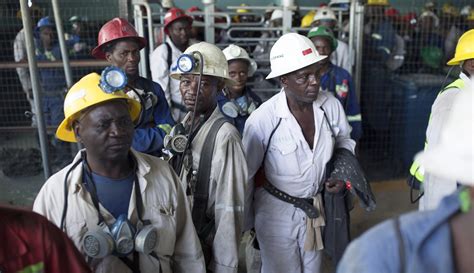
(471, 16)
(449, 9)
(464, 48)
(307, 19)
(243, 9)
(84, 94)
(377, 2)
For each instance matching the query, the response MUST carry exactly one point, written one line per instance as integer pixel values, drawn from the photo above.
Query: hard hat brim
(457, 60)
(65, 132)
(275, 74)
(99, 53)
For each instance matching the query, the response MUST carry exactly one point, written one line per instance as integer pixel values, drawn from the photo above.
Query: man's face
(125, 55)
(238, 71)
(468, 65)
(329, 23)
(207, 98)
(179, 32)
(302, 86)
(47, 37)
(323, 46)
(106, 131)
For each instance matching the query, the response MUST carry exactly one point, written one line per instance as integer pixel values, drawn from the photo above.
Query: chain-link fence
(20, 152)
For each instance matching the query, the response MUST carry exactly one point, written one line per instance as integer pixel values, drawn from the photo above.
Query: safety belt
(202, 223)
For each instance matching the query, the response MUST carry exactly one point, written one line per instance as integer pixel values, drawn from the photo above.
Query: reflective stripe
(354, 118)
(386, 49)
(377, 36)
(35, 268)
(459, 83)
(165, 127)
(417, 171)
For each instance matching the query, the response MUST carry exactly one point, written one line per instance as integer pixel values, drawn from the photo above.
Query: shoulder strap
(459, 83)
(201, 194)
(168, 58)
(270, 139)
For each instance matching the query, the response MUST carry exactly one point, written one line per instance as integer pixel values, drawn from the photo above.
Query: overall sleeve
(353, 111)
(150, 139)
(230, 173)
(50, 200)
(160, 71)
(254, 149)
(19, 54)
(343, 131)
(188, 255)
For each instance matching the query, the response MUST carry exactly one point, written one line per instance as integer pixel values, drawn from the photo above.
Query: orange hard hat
(175, 14)
(117, 28)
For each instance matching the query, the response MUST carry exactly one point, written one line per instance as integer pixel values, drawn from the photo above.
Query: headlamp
(186, 63)
(112, 79)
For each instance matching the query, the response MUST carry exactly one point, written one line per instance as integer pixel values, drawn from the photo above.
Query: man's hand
(334, 186)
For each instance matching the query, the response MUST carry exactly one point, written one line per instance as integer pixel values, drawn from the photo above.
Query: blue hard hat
(44, 22)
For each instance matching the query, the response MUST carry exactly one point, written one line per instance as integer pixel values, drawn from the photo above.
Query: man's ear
(284, 81)
(108, 56)
(76, 127)
(220, 84)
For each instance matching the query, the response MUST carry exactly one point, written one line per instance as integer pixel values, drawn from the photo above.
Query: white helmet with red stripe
(292, 52)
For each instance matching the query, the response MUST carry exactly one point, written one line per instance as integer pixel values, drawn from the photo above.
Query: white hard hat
(276, 14)
(167, 4)
(235, 52)
(324, 13)
(215, 63)
(431, 14)
(292, 52)
(453, 157)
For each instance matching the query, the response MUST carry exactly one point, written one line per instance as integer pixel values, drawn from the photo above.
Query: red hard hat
(175, 14)
(115, 29)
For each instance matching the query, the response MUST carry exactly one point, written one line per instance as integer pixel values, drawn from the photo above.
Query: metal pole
(62, 43)
(138, 20)
(359, 35)
(209, 8)
(30, 50)
(288, 6)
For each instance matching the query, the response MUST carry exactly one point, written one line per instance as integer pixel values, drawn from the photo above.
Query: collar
(447, 208)
(172, 45)
(283, 111)
(143, 168)
(466, 79)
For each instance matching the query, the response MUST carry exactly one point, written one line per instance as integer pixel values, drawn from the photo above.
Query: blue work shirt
(52, 80)
(239, 121)
(157, 121)
(339, 82)
(114, 194)
(427, 243)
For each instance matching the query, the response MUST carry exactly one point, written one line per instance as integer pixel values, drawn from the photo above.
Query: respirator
(119, 239)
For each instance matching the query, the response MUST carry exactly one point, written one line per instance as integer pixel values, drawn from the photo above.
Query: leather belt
(305, 204)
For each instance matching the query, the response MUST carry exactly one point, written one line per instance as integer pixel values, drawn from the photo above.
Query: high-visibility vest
(416, 170)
